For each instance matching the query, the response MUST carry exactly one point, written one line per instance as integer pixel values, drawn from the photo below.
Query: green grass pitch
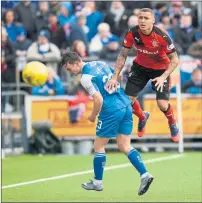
(177, 180)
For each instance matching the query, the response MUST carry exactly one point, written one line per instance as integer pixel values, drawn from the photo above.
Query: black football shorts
(138, 78)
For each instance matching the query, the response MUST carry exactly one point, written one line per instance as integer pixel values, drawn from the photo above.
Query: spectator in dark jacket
(77, 33)
(194, 85)
(165, 19)
(111, 51)
(22, 43)
(117, 18)
(53, 86)
(7, 59)
(185, 33)
(21, 46)
(26, 14)
(160, 8)
(130, 5)
(42, 15)
(57, 32)
(54, 7)
(195, 49)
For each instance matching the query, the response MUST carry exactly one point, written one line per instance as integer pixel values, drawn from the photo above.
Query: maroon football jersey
(152, 49)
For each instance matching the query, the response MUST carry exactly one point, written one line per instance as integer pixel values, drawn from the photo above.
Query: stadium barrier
(56, 108)
(14, 139)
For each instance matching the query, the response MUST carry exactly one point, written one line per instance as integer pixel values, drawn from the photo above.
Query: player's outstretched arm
(97, 105)
(174, 60)
(112, 84)
(120, 62)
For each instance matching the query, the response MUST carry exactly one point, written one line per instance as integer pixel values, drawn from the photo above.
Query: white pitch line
(177, 156)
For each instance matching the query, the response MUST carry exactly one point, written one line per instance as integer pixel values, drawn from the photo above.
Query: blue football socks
(136, 161)
(99, 163)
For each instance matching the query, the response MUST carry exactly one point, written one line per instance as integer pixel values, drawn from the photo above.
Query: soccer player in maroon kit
(156, 59)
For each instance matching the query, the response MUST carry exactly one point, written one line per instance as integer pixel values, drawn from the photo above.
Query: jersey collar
(149, 33)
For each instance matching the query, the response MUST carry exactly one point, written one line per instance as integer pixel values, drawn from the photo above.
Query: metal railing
(18, 96)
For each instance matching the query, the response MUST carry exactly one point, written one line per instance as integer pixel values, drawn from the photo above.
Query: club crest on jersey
(155, 43)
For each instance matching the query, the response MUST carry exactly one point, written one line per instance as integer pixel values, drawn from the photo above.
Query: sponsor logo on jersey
(147, 52)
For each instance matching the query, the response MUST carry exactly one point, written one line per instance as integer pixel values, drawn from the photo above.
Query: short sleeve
(128, 40)
(169, 46)
(88, 84)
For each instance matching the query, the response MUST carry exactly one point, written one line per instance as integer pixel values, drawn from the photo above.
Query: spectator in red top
(156, 59)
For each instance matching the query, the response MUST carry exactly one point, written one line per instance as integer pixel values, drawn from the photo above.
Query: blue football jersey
(94, 77)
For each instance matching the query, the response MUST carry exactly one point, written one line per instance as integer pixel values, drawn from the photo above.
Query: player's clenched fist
(92, 118)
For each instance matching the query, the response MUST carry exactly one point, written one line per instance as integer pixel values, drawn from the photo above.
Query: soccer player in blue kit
(115, 120)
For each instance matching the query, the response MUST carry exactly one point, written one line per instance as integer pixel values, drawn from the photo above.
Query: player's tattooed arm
(120, 62)
(174, 61)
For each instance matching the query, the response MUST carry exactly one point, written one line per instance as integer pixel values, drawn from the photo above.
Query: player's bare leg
(167, 109)
(142, 115)
(98, 163)
(133, 155)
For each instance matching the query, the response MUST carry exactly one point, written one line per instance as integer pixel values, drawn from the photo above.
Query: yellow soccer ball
(35, 73)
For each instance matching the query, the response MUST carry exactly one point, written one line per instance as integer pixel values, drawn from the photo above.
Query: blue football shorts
(118, 122)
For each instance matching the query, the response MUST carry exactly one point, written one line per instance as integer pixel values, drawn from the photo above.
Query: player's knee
(124, 148)
(99, 146)
(133, 99)
(162, 104)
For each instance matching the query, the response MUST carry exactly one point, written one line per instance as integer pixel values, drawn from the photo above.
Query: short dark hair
(147, 10)
(160, 5)
(70, 57)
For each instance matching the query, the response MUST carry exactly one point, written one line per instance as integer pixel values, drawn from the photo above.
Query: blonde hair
(103, 26)
(147, 10)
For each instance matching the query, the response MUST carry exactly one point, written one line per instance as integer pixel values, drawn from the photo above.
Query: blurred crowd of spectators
(43, 31)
